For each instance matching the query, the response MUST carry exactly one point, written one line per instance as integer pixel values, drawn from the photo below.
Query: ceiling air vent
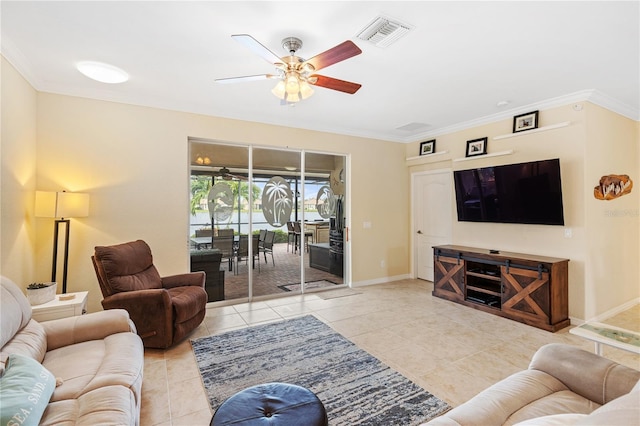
(412, 127)
(383, 31)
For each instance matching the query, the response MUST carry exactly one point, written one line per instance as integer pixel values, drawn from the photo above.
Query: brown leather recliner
(164, 309)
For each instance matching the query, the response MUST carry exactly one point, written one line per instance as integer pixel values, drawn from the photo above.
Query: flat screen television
(529, 193)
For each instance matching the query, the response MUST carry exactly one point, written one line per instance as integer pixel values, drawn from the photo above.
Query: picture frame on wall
(524, 122)
(428, 147)
(476, 147)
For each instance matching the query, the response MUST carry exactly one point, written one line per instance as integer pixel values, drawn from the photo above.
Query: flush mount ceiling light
(101, 72)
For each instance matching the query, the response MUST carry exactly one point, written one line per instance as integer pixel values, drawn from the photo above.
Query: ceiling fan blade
(335, 84)
(256, 47)
(343, 51)
(245, 78)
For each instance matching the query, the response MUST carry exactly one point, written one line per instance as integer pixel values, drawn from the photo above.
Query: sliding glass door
(263, 220)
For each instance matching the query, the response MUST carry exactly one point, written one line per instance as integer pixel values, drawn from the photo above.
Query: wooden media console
(527, 288)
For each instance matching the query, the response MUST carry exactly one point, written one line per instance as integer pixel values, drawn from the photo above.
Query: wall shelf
(528, 132)
(429, 158)
(478, 157)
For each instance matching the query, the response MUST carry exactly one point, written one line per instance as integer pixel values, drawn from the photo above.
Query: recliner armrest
(587, 374)
(95, 326)
(135, 301)
(192, 278)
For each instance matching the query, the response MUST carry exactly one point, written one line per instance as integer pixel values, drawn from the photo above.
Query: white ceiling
(450, 71)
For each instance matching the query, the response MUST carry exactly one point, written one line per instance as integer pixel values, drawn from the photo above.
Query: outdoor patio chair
(242, 253)
(291, 236)
(267, 246)
(225, 245)
(225, 232)
(307, 234)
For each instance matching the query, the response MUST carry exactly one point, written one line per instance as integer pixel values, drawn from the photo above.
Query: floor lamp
(62, 206)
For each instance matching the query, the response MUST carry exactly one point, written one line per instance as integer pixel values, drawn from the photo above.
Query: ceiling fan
(226, 174)
(296, 75)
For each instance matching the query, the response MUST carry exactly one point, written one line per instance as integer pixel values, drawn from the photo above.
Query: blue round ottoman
(279, 404)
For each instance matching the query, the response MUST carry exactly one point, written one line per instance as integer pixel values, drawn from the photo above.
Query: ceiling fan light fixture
(292, 88)
(293, 84)
(279, 90)
(292, 97)
(305, 90)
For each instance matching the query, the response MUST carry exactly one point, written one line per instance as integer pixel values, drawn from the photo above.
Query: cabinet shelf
(528, 132)
(485, 290)
(484, 276)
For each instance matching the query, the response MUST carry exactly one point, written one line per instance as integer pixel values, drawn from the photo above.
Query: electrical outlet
(383, 263)
(366, 225)
(568, 233)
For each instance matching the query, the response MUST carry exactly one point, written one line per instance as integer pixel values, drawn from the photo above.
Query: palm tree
(240, 191)
(200, 186)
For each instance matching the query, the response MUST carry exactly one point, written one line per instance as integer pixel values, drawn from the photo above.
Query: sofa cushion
(15, 310)
(31, 341)
(554, 420)
(109, 405)
(524, 395)
(624, 410)
(568, 366)
(562, 402)
(25, 390)
(116, 360)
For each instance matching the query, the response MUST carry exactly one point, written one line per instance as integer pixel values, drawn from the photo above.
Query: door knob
(419, 231)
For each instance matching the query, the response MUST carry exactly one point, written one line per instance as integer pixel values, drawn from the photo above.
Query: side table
(61, 308)
(604, 334)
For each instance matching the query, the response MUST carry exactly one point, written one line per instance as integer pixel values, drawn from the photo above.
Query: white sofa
(96, 362)
(564, 385)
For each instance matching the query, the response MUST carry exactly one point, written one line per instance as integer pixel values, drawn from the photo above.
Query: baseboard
(608, 314)
(380, 280)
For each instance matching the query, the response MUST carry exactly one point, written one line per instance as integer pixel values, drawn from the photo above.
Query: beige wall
(17, 177)
(603, 251)
(611, 247)
(133, 161)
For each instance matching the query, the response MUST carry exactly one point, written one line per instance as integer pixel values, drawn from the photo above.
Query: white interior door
(433, 217)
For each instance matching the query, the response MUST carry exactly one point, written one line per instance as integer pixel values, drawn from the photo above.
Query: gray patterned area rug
(355, 387)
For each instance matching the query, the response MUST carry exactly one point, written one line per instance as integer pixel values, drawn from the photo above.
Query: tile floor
(451, 350)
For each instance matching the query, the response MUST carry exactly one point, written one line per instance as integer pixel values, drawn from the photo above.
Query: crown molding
(584, 95)
(614, 105)
(20, 62)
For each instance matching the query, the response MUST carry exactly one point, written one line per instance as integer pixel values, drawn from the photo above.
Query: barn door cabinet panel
(448, 278)
(523, 287)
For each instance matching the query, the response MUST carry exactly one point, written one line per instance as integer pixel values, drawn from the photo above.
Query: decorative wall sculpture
(612, 186)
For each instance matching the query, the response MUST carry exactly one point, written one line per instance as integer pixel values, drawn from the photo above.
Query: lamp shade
(61, 204)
